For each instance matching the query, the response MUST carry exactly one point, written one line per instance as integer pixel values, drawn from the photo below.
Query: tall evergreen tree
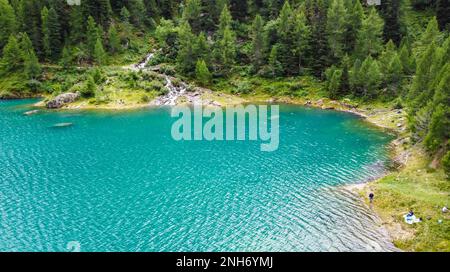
(186, 59)
(54, 34)
(32, 67)
(92, 35)
(113, 40)
(192, 13)
(226, 50)
(317, 15)
(202, 73)
(354, 20)
(258, 43)
(224, 21)
(12, 53)
(99, 53)
(336, 28)
(45, 33)
(370, 36)
(7, 22)
(100, 10)
(30, 14)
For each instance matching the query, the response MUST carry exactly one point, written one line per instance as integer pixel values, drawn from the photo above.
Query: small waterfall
(175, 92)
(143, 64)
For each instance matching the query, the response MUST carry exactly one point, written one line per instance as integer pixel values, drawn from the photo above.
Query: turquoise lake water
(119, 182)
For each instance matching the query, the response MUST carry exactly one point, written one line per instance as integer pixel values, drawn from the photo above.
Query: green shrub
(89, 89)
(145, 98)
(446, 164)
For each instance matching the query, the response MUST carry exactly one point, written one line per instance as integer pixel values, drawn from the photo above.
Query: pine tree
(92, 35)
(317, 16)
(192, 12)
(30, 14)
(125, 15)
(302, 34)
(422, 80)
(186, 59)
(99, 53)
(54, 34)
(137, 12)
(7, 22)
(430, 35)
(394, 71)
(76, 23)
(66, 58)
(370, 36)
(438, 132)
(201, 48)
(224, 21)
(12, 53)
(257, 35)
(334, 80)
(45, 33)
(355, 18)
(336, 28)
(114, 40)
(99, 10)
(274, 64)
(202, 73)
(406, 59)
(373, 76)
(284, 20)
(32, 67)
(227, 50)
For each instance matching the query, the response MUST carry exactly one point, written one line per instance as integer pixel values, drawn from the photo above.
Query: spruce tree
(302, 34)
(192, 13)
(7, 22)
(224, 21)
(430, 35)
(12, 53)
(202, 73)
(45, 33)
(370, 36)
(227, 50)
(354, 21)
(99, 53)
(201, 48)
(336, 28)
(66, 58)
(92, 35)
(32, 67)
(257, 35)
(186, 59)
(438, 132)
(54, 34)
(113, 40)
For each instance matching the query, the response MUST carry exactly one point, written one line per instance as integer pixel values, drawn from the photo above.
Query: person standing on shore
(371, 197)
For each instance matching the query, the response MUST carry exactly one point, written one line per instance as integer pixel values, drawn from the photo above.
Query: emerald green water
(118, 182)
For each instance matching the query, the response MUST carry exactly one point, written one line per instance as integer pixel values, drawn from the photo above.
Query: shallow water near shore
(117, 181)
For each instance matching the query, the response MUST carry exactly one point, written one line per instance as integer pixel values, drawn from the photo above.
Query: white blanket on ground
(411, 219)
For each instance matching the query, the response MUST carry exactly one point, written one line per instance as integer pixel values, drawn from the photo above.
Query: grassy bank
(424, 190)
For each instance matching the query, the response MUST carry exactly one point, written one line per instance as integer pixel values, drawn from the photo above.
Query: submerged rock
(61, 125)
(62, 100)
(31, 112)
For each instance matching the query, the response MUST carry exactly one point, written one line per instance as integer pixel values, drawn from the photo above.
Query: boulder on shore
(62, 100)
